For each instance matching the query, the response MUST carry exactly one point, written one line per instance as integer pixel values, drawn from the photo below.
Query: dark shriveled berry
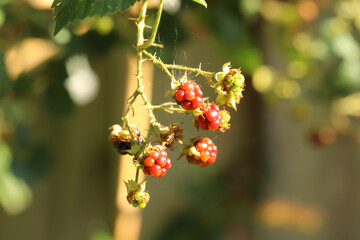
(122, 140)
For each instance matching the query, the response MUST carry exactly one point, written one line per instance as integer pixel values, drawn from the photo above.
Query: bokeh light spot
(263, 78)
(307, 10)
(82, 83)
(105, 25)
(287, 89)
(297, 69)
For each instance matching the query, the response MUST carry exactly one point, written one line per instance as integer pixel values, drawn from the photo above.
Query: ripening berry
(189, 95)
(203, 152)
(210, 119)
(196, 103)
(156, 162)
(155, 170)
(149, 162)
(180, 95)
(161, 161)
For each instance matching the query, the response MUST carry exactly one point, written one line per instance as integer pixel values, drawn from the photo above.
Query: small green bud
(225, 116)
(139, 196)
(142, 205)
(235, 89)
(239, 82)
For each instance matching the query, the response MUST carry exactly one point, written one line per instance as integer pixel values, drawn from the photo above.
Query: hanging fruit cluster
(150, 153)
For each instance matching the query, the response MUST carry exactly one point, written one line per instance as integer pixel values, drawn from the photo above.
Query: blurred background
(287, 169)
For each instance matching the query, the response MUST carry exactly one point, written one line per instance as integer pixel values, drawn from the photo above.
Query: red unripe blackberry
(146, 171)
(189, 95)
(210, 119)
(211, 115)
(203, 152)
(202, 122)
(214, 125)
(163, 172)
(154, 154)
(163, 153)
(155, 170)
(149, 161)
(180, 95)
(189, 85)
(198, 91)
(196, 102)
(205, 155)
(156, 162)
(161, 161)
(168, 163)
(186, 105)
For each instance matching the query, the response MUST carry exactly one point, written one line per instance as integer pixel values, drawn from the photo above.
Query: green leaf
(66, 11)
(201, 2)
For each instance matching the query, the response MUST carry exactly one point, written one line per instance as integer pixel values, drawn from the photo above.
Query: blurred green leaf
(15, 194)
(201, 2)
(57, 99)
(66, 11)
(101, 235)
(4, 79)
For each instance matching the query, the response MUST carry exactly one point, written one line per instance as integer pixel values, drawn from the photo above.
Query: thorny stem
(141, 51)
(139, 75)
(176, 110)
(166, 67)
(189, 69)
(158, 63)
(150, 41)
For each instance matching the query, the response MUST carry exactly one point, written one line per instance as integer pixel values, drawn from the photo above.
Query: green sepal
(131, 186)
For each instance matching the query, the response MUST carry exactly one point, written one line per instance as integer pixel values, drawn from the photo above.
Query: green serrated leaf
(66, 11)
(201, 2)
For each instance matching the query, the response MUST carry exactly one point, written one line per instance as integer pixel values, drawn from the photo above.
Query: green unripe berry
(142, 205)
(139, 196)
(239, 82)
(225, 116)
(235, 88)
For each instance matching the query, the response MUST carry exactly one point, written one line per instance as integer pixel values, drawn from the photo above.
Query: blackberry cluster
(210, 119)
(189, 96)
(203, 152)
(156, 163)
